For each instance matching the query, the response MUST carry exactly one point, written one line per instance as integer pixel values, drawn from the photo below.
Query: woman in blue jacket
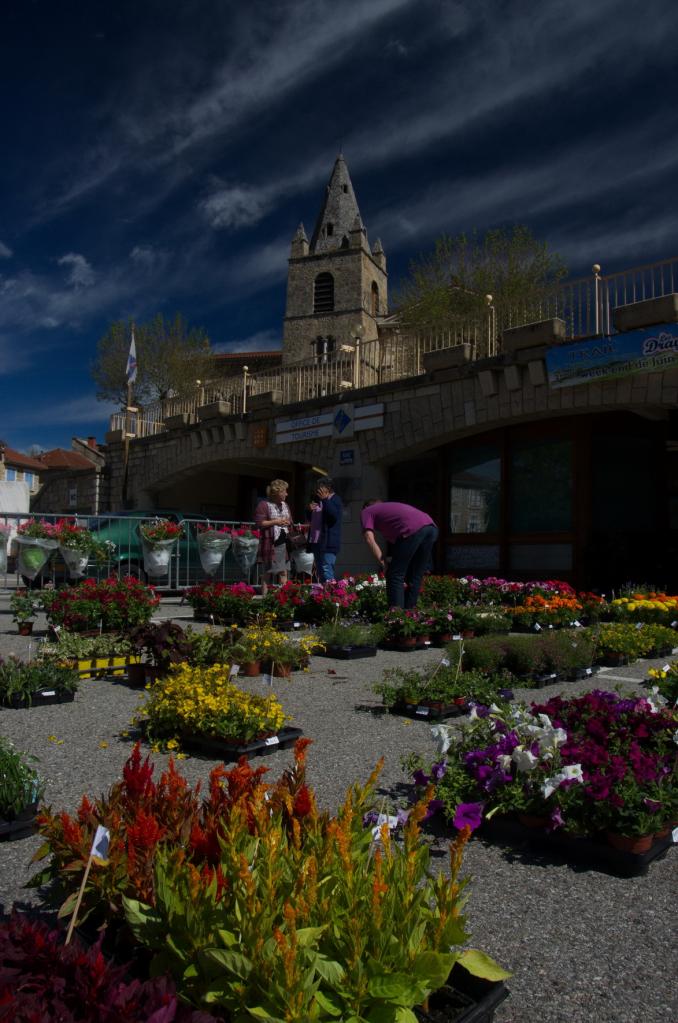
(325, 542)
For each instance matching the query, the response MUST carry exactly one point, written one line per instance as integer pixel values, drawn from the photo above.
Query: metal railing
(126, 556)
(586, 305)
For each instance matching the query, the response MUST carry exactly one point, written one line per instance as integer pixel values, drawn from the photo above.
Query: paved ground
(582, 945)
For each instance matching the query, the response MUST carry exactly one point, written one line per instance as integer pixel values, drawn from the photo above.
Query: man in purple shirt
(412, 534)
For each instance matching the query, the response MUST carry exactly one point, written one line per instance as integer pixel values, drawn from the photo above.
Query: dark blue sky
(159, 156)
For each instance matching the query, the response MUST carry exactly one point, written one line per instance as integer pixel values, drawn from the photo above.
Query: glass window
(475, 489)
(461, 559)
(10, 474)
(541, 486)
(28, 476)
(623, 483)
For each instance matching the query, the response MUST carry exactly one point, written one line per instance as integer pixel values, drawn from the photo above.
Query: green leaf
(229, 939)
(394, 987)
(481, 965)
(404, 1015)
(329, 970)
(328, 1006)
(308, 935)
(433, 968)
(68, 905)
(233, 962)
(260, 1013)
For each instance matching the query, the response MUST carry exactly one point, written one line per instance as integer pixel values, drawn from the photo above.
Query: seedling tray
(210, 746)
(349, 653)
(42, 698)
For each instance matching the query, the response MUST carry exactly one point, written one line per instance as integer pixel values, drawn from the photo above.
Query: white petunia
(524, 760)
(505, 760)
(443, 736)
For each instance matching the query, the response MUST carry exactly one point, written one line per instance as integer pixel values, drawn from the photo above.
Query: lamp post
(357, 331)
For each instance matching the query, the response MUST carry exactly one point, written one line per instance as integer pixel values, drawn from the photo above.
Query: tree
(452, 282)
(170, 358)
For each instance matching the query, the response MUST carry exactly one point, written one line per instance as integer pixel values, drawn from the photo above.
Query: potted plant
(36, 541)
(245, 547)
(213, 543)
(442, 623)
(110, 605)
(45, 979)
(23, 606)
(20, 790)
(226, 603)
(401, 629)
(23, 684)
(91, 656)
(158, 538)
(348, 640)
(161, 644)
(203, 709)
(370, 594)
(78, 545)
(375, 884)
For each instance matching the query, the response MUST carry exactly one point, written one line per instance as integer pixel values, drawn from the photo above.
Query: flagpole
(125, 464)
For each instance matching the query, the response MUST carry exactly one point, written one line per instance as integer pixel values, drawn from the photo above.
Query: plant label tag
(445, 663)
(268, 679)
(537, 627)
(675, 650)
(674, 836)
(272, 740)
(457, 637)
(589, 671)
(639, 625)
(427, 642)
(423, 711)
(296, 625)
(553, 675)
(577, 624)
(48, 692)
(667, 667)
(235, 670)
(674, 624)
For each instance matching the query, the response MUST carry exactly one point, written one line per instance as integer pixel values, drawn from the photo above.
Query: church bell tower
(335, 282)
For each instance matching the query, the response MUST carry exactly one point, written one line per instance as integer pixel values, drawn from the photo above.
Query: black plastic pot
(464, 999)
(213, 747)
(349, 653)
(42, 698)
(430, 711)
(20, 826)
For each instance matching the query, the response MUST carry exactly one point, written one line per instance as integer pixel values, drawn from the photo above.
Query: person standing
(412, 534)
(274, 518)
(325, 532)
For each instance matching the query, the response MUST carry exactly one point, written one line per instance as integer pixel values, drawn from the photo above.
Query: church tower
(335, 282)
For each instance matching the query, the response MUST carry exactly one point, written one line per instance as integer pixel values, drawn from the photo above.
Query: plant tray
(593, 851)
(465, 999)
(213, 747)
(430, 711)
(103, 667)
(349, 653)
(20, 826)
(43, 698)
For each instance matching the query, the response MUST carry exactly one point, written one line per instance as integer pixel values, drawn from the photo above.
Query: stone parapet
(647, 313)
(533, 335)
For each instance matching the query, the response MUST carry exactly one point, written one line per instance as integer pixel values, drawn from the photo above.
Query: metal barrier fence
(127, 558)
(586, 305)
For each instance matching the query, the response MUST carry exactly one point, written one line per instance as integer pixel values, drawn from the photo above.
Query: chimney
(92, 442)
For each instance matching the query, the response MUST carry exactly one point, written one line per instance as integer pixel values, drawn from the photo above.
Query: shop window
(540, 477)
(323, 294)
(475, 489)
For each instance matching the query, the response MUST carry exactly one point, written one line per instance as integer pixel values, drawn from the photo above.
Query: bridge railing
(585, 304)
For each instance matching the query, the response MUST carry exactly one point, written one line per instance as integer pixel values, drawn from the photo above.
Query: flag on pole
(132, 361)
(99, 850)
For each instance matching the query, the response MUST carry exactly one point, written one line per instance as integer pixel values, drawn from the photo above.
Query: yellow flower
(103, 744)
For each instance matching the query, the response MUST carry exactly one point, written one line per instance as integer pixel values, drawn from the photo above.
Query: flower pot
(157, 557)
(468, 633)
(25, 628)
(233, 749)
(76, 561)
(630, 843)
(250, 669)
(136, 675)
(21, 825)
(34, 554)
(281, 670)
(402, 643)
(423, 640)
(613, 659)
(441, 638)
(211, 548)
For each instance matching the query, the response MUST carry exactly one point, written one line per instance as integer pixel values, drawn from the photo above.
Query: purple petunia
(468, 815)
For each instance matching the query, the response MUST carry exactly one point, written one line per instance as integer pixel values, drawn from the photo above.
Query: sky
(158, 157)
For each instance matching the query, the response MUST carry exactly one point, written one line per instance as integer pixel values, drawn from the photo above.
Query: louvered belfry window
(323, 294)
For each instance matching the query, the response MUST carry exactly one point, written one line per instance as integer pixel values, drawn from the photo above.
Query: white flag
(99, 850)
(132, 361)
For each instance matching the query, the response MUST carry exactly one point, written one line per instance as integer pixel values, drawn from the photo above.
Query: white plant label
(667, 667)
(639, 625)
(268, 680)
(272, 740)
(48, 692)
(235, 670)
(457, 637)
(427, 642)
(423, 711)
(445, 663)
(296, 625)
(577, 624)
(589, 671)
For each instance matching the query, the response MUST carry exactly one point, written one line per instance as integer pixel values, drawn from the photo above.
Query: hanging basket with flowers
(158, 537)
(213, 543)
(36, 541)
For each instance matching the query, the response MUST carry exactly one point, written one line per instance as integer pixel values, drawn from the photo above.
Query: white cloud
(147, 257)
(5, 251)
(81, 275)
(234, 206)
(83, 409)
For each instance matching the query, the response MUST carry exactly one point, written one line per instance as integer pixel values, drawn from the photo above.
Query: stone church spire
(338, 212)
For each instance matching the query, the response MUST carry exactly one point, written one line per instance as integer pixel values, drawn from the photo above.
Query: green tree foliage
(170, 358)
(452, 282)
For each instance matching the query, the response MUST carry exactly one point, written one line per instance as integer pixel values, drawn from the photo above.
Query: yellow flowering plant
(204, 701)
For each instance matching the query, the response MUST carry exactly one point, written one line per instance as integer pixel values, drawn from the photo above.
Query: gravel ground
(582, 945)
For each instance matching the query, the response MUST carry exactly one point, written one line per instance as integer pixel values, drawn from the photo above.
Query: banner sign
(604, 358)
(340, 423)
